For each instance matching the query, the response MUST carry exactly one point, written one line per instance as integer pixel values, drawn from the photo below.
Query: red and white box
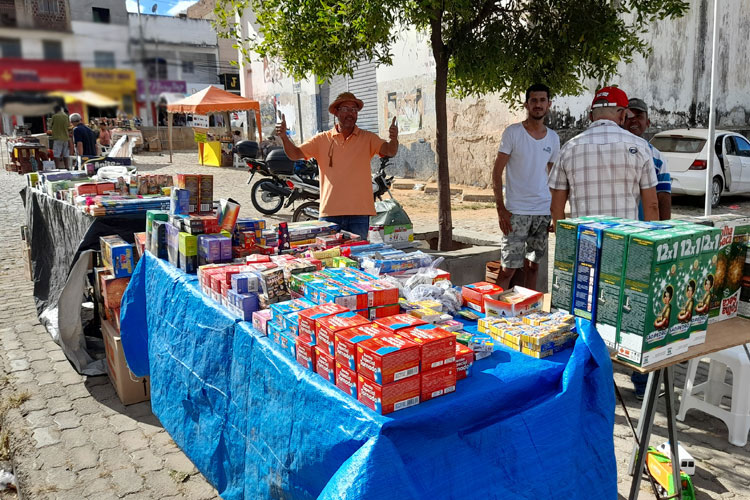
(438, 346)
(329, 325)
(308, 317)
(464, 361)
(345, 342)
(387, 358)
(261, 319)
(346, 379)
(325, 365)
(514, 302)
(399, 321)
(306, 353)
(388, 398)
(256, 258)
(379, 292)
(473, 294)
(438, 382)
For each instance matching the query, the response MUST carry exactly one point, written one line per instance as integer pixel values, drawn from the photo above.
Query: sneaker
(640, 393)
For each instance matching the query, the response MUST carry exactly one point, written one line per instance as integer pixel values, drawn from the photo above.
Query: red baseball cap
(610, 97)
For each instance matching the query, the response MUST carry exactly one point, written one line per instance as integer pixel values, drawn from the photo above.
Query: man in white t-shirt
(526, 154)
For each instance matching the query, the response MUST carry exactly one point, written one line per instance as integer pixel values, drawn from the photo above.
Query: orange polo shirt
(345, 178)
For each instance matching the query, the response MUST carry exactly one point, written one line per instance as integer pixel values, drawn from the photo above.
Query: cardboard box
(437, 346)
(191, 182)
(586, 281)
(205, 193)
(130, 389)
(117, 254)
(179, 201)
(374, 313)
(399, 321)
(112, 289)
(384, 399)
(308, 319)
(474, 293)
(345, 342)
(615, 242)
(648, 297)
(704, 275)
(464, 361)
(261, 319)
(325, 365)
(438, 382)
(158, 242)
(306, 352)
(514, 302)
(387, 358)
(188, 252)
(686, 286)
(329, 325)
(346, 379)
(563, 268)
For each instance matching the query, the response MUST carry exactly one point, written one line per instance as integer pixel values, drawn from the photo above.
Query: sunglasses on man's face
(348, 109)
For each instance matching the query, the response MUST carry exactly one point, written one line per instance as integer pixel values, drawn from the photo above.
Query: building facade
(36, 29)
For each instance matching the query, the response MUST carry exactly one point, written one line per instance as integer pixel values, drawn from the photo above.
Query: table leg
(641, 421)
(644, 427)
(669, 400)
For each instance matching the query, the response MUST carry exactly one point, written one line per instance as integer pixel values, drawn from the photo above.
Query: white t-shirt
(526, 190)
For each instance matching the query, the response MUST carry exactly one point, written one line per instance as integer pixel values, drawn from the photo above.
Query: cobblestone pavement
(71, 438)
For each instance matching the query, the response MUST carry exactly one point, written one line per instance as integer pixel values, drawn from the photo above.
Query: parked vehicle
(381, 184)
(686, 154)
(284, 182)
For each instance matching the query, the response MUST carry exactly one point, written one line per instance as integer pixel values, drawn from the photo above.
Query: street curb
(482, 198)
(434, 190)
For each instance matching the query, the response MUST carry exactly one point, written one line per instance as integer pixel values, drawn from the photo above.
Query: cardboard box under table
(130, 389)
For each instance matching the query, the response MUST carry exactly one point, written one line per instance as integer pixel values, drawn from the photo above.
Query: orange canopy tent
(212, 100)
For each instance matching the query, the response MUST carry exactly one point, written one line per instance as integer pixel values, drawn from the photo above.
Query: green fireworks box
(615, 242)
(729, 265)
(704, 272)
(685, 283)
(648, 297)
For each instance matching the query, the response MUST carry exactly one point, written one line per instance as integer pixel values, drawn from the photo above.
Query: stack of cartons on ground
(111, 280)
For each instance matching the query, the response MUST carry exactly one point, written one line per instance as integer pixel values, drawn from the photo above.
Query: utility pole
(146, 81)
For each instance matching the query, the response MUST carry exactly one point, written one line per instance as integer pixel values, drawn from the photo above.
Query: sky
(164, 7)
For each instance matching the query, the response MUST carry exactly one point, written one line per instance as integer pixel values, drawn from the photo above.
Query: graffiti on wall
(271, 71)
(407, 107)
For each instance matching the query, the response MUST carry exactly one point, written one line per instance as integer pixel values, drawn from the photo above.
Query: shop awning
(28, 104)
(212, 100)
(88, 97)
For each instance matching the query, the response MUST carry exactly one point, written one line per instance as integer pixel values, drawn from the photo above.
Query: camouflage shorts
(527, 240)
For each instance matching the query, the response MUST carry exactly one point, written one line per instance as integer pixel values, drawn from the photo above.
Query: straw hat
(344, 97)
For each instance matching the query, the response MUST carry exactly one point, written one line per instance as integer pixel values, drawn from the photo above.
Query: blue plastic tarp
(258, 425)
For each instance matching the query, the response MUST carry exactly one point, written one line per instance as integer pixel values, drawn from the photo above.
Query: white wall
(31, 42)
(90, 37)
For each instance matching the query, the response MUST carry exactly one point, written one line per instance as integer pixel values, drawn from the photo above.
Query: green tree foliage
(479, 46)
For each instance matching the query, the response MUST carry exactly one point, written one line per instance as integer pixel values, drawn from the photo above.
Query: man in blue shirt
(84, 140)
(637, 124)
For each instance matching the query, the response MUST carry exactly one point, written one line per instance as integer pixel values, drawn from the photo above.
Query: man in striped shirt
(605, 170)
(637, 125)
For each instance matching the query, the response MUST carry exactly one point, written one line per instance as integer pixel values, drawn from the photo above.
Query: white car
(686, 154)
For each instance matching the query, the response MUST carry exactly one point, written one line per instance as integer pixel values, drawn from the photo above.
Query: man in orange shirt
(343, 154)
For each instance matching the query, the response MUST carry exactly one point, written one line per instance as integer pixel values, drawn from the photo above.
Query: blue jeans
(357, 224)
(639, 382)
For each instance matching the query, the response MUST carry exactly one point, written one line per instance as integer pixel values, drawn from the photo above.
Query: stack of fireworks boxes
(647, 286)
(388, 364)
(110, 283)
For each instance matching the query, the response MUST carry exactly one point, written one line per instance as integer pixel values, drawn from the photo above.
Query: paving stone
(93, 422)
(39, 418)
(133, 440)
(92, 483)
(55, 455)
(16, 354)
(67, 420)
(83, 457)
(61, 478)
(146, 461)
(36, 355)
(70, 379)
(163, 442)
(114, 458)
(45, 436)
(75, 437)
(57, 355)
(179, 462)
(89, 406)
(59, 405)
(162, 485)
(17, 365)
(104, 439)
(23, 377)
(126, 481)
(122, 423)
(47, 378)
(200, 489)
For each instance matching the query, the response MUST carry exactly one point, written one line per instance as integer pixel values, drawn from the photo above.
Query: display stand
(720, 336)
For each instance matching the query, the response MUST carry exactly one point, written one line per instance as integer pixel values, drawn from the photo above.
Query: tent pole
(169, 132)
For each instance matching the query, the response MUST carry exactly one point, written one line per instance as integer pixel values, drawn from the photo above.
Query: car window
(667, 144)
(743, 147)
(731, 149)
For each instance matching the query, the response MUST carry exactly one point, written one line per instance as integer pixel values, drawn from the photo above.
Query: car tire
(717, 186)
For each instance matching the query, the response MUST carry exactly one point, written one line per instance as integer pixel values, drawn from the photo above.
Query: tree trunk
(445, 221)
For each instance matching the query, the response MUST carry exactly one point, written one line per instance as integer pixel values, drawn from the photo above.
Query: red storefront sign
(34, 75)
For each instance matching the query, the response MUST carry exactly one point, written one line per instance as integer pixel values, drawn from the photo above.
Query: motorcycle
(284, 181)
(381, 184)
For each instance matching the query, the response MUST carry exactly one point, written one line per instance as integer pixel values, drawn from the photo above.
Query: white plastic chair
(737, 418)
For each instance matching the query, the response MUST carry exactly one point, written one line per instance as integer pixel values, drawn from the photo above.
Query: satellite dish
(153, 9)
